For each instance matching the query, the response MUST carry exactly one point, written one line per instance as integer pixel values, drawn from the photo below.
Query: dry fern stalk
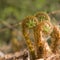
(29, 23)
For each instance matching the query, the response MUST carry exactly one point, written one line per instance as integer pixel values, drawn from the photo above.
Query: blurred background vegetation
(22, 8)
(13, 11)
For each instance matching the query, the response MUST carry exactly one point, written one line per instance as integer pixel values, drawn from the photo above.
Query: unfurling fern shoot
(29, 23)
(42, 16)
(44, 28)
(41, 45)
(55, 39)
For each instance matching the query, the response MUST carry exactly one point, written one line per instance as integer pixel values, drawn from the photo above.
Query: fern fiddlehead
(29, 23)
(42, 16)
(55, 39)
(41, 45)
(43, 28)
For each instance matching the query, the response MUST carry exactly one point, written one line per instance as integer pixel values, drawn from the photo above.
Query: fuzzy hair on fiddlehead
(42, 16)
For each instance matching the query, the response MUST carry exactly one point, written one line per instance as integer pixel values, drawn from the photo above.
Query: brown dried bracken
(16, 56)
